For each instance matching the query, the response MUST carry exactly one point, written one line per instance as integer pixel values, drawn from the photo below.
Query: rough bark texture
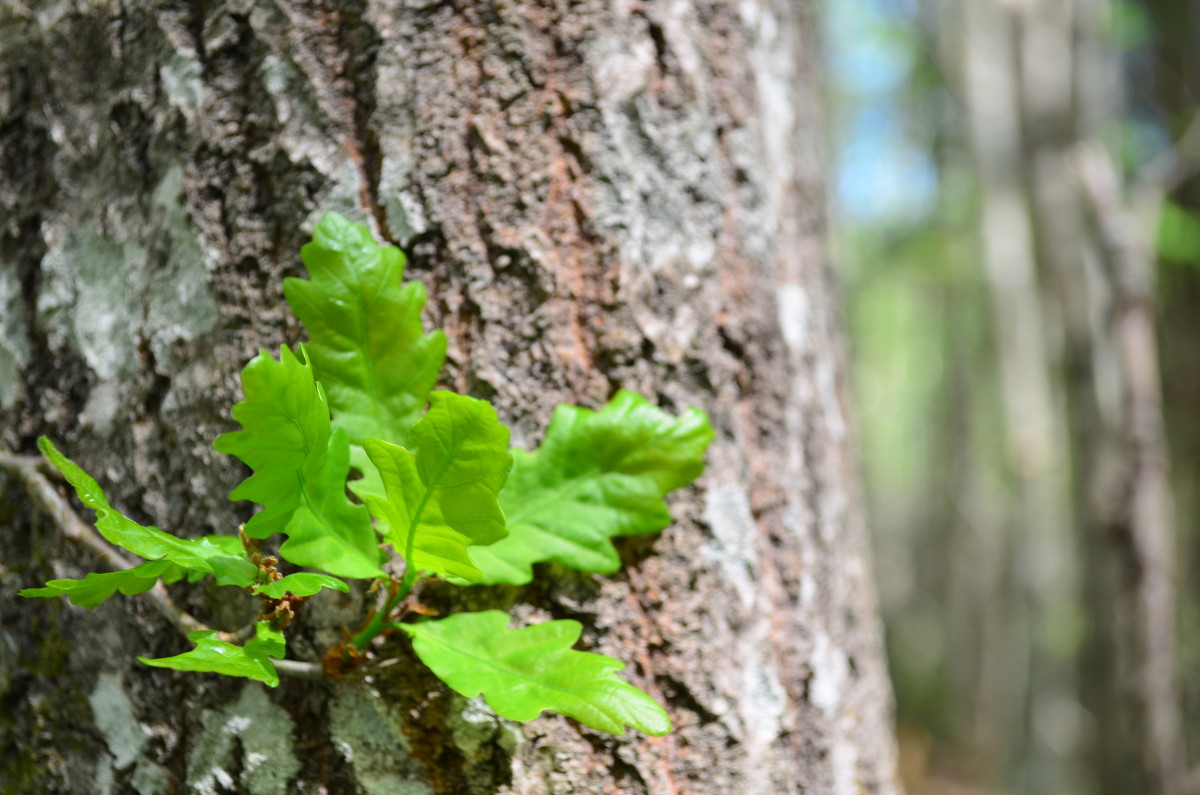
(597, 194)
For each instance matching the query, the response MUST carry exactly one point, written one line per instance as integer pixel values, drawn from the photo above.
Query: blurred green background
(1011, 427)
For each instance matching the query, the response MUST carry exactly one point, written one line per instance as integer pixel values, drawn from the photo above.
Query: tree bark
(596, 195)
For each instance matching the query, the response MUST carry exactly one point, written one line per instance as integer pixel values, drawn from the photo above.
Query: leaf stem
(380, 622)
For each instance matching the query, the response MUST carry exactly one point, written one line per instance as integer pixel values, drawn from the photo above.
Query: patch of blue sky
(882, 178)
(868, 55)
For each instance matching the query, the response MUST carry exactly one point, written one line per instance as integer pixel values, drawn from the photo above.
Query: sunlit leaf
(95, 588)
(301, 584)
(598, 475)
(300, 468)
(225, 561)
(218, 657)
(522, 672)
(442, 497)
(367, 345)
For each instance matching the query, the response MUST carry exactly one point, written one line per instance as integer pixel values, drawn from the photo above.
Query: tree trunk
(1030, 560)
(1071, 266)
(596, 195)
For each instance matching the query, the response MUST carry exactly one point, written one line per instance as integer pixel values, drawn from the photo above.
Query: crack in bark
(336, 48)
(425, 705)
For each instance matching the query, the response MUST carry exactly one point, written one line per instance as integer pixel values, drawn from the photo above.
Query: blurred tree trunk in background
(1170, 86)
(1016, 422)
(1034, 557)
(596, 195)
(1070, 273)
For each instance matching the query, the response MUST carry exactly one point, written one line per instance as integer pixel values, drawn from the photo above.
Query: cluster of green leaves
(436, 481)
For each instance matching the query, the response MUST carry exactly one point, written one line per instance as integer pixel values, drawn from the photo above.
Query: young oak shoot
(440, 485)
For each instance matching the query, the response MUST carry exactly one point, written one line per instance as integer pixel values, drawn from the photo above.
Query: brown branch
(41, 491)
(46, 497)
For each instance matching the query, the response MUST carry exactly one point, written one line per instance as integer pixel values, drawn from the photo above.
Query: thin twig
(299, 670)
(43, 494)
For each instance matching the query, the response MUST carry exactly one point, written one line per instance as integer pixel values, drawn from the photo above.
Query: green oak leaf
(367, 345)
(218, 657)
(96, 588)
(300, 466)
(598, 475)
(301, 584)
(522, 672)
(230, 545)
(226, 561)
(442, 496)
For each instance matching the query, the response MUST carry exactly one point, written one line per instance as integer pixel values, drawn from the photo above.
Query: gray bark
(597, 195)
